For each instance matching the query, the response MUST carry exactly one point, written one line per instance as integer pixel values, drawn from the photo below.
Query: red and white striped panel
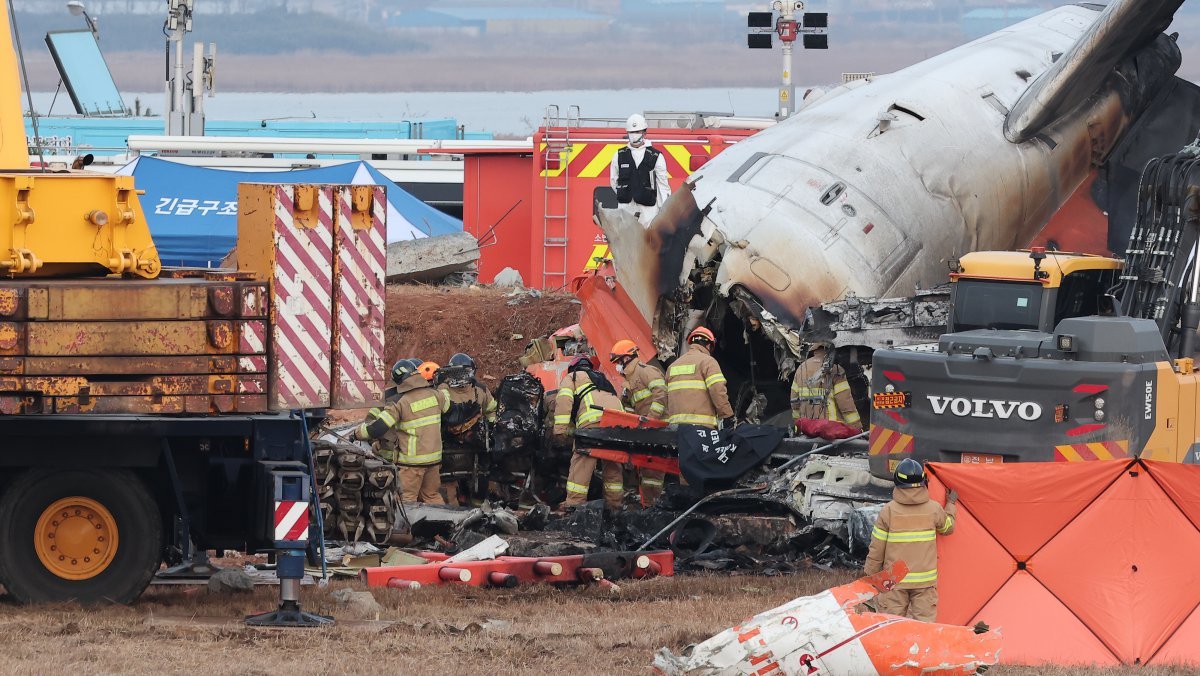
(302, 322)
(291, 520)
(358, 369)
(252, 347)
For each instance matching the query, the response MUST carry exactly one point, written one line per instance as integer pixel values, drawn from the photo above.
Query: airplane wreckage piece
(828, 634)
(869, 189)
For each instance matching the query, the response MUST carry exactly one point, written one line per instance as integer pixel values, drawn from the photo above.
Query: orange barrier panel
(1075, 563)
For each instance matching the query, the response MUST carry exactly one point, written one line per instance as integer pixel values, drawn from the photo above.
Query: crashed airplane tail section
(825, 634)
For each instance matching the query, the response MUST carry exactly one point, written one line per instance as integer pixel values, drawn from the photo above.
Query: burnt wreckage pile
(754, 501)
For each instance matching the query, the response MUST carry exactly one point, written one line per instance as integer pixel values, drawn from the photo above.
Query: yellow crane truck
(1054, 356)
(147, 414)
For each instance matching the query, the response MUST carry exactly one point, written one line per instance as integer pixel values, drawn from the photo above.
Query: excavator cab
(1031, 290)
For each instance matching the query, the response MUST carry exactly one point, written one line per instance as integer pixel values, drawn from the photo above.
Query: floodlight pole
(786, 28)
(178, 24)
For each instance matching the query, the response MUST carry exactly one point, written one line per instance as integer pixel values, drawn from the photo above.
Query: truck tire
(91, 536)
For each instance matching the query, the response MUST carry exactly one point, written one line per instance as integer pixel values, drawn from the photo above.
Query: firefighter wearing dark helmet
(466, 427)
(582, 396)
(906, 530)
(409, 431)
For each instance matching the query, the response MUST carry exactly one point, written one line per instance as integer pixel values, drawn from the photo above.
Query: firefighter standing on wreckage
(697, 393)
(409, 430)
(820, 391)
(906, 530)
(582, 395)
(645, 394)
(457, 380)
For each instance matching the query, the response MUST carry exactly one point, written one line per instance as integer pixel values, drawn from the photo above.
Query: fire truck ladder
(556, 182)
(1159, 281)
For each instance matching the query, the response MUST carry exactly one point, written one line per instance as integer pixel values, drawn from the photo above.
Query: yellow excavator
(1052, 356)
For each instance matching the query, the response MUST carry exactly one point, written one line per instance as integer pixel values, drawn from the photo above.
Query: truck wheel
(92, 536)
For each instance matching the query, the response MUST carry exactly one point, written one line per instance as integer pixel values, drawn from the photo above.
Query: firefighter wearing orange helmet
(696, 390)
(429, 370)
(645, 393)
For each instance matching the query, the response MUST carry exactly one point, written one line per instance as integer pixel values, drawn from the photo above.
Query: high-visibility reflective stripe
(409, 425)
(910, 536)
(657, 409)
(946, 526)
(840, 387)
(587, 414)
(923, 576)
(420, 459)
(640, 395)
(491, 407)
(879, 534)
(614, 487)
(576, 488)
(362, 431)
(811, 391)
(652, 482)
(387, 418)
(686, 385)
(374, 411)
(562, 419)
(693, 419)
(714, 379)
(566, 392)
(682, 370)
(831, 411)
(657, 382)
(422, 404)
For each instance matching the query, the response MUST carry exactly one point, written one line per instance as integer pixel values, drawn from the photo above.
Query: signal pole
(811, 25)
(786, 29)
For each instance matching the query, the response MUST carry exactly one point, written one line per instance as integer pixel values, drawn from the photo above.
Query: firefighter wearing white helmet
(638, 173)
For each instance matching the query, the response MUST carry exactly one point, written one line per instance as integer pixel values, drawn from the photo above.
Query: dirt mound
(431, 322)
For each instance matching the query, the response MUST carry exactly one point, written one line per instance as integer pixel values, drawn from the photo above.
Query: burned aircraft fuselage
(871, 188)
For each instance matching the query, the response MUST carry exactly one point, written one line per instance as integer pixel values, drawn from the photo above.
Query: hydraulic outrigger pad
(293, 502)
(289, 613)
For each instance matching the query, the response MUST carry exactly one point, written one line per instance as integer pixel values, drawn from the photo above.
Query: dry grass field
(548, 631)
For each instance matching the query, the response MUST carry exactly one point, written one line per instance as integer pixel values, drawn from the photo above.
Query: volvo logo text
(985, 408)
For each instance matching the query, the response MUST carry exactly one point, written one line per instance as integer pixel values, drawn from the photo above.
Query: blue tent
(192, 211)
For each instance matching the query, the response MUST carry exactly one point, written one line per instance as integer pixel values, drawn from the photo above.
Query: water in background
(503, 113)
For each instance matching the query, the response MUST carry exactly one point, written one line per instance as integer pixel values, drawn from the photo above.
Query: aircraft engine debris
(830, 633)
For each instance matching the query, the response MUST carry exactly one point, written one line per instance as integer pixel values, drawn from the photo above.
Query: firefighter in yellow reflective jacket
(465, 431)
(820, 390)
(906, 530)
(409, 430)
(696, 390)
(645, 394)
(582, 395)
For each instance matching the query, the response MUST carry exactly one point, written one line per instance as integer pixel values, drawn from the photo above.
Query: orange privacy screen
(1075, 563)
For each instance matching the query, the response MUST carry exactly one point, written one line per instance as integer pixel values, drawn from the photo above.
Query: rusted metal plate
(67, 366)
(360, 261)
(61, 339)
(173, 404)
(122, 299)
